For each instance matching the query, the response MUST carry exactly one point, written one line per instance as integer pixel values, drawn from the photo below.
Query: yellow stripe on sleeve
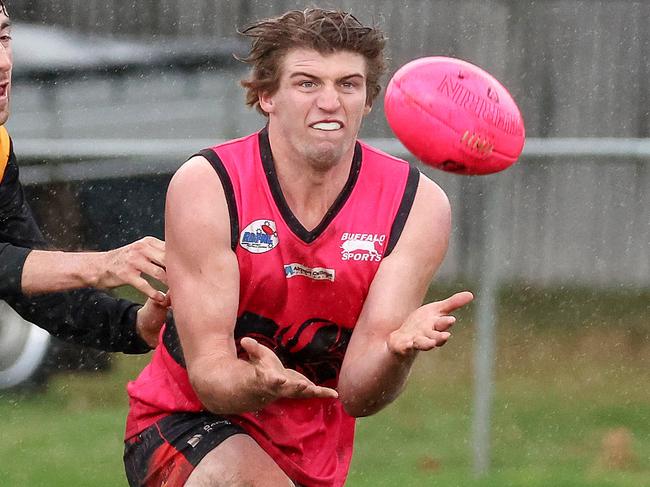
(5, 144)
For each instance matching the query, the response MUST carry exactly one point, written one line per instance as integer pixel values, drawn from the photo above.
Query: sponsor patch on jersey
(259, 236)
(362, 247)
(315, 273)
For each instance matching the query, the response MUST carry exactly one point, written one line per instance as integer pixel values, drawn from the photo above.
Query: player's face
(317, 110)
(6, 63)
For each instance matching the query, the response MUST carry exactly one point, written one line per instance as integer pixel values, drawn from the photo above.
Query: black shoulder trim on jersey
(220, 169)
(404, 209)
(171, 341)
(290, 219)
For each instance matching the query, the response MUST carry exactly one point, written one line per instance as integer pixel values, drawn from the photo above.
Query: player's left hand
(426, 328)
(150, 319)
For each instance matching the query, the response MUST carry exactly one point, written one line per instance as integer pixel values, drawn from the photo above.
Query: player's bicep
(201, 265)
(404, 276)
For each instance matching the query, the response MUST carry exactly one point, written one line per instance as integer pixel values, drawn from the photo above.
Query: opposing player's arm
(393, 327)
(82, 316)
(46, 271)
(30, 272)
(204, 282)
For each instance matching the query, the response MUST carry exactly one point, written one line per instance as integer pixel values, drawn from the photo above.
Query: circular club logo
(259, 236)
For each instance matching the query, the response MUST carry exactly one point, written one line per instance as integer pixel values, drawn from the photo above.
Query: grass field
(571, 407)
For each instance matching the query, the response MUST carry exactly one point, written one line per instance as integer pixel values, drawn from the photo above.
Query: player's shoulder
(432, 191)
(380, 155)
(192, 174)
(431, 201)
(204, 161)
(428, 226)
(238, 142)
(202, 177)
(234, 150)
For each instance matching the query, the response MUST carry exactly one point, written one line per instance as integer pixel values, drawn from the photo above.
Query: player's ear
(266, 101)
(367, 109)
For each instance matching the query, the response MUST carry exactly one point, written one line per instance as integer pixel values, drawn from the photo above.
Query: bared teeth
(327, 126)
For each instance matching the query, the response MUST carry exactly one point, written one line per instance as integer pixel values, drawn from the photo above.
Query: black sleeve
(12, 260)
(86, 317)
(19, 232)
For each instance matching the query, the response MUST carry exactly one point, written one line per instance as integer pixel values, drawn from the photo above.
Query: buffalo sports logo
(362, 247)
(259, 236)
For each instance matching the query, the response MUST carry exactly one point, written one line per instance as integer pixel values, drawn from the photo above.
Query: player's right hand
(125, 266)
(275, 381)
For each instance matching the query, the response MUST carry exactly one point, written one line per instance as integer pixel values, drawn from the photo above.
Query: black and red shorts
(167, 451)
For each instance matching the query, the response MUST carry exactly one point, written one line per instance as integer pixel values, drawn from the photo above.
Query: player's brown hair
(325, 31)
(3, 8)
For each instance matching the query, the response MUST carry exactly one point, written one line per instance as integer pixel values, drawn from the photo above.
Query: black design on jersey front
(315, 348)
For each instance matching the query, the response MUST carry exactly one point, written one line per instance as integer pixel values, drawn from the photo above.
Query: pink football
(454, 116)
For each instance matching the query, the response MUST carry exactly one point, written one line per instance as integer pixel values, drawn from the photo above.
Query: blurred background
(110, 97)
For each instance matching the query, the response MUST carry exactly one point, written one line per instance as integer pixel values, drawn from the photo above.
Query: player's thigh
(166, 453)
(238, 462)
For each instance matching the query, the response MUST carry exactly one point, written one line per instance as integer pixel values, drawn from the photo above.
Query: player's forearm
(231, 388)
(52, 271)
(85, 317)
(374, 381)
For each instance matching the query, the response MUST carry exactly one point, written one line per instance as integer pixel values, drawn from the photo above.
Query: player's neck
(309, 190)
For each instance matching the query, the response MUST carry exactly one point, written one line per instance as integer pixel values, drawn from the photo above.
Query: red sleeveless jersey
(301, 295)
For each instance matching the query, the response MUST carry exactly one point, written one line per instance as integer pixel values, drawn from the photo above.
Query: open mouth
(3, 89)
(327, 126)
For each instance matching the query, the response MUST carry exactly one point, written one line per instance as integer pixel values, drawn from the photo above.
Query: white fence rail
(572, 211)
(82, 159)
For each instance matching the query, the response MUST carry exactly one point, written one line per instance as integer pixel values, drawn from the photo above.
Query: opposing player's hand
(127, 264)
(151, 318)
(276, 381)
(426, 328)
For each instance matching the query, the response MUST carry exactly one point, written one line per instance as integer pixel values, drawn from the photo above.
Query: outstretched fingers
(151, 248)
(443, 323)
(130, 264)
(320, 391)
(307, 389)
(299, 386)
(146, 266)
(431, 341)
(454, 302)
(152, 258)
(281, 381)
(146, 256)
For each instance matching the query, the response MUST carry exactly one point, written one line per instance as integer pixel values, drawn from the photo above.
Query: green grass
(572, 370)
